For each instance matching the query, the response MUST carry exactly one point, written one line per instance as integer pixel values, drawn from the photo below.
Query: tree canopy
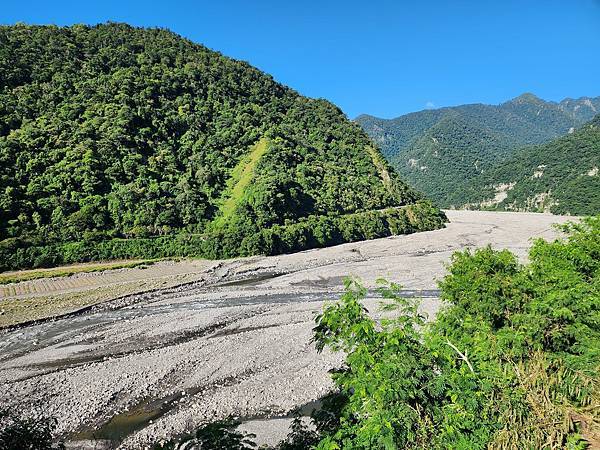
(562, 177)
(441, 151)
(111, 132)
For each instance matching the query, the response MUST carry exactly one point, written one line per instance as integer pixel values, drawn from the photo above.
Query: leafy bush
(512, 361)
(18, 432)
(220, 435)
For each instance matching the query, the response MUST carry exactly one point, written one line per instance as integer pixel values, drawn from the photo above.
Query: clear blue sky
(384, 58)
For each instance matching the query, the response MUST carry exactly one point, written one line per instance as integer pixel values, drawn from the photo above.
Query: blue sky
(384, 58)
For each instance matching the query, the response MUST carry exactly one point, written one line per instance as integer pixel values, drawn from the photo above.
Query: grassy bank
(65, 271)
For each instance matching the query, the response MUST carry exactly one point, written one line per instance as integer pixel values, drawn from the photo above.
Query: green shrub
(512, 361)
(18, 432)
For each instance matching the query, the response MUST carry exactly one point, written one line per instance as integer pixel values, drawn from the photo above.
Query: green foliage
(300, 437)
(561, 176)
(440, 151)
(242, 176)
(113, 132)
(237, 239)
(213, 436)
(512, 361)
(17, 432)
(390, 376)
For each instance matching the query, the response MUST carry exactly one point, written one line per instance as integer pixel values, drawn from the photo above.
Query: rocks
(89, 444)
(236, 343)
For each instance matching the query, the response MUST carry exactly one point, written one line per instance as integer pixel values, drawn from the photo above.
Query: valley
(461, 156)
(202, 250)
(168, 347)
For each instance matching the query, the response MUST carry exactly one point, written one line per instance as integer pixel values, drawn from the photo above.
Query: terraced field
(12, 277)
(48, 297)
(82, 281)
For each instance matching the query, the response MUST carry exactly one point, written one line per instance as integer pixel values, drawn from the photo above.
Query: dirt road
(222, 337)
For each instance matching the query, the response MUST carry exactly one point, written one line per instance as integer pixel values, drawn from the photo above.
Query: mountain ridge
(444, 140)
(529, 97)
(561, 177)
(118, 141)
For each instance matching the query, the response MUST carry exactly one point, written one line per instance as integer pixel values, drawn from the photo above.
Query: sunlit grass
(241, 178)
(65, 271)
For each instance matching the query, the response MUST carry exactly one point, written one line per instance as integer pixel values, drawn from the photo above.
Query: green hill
(119, 142)
(439, 151)
(562, 177)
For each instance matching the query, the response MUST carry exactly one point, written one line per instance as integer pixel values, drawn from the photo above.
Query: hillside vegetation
(123, 142)
(440, 151)
(562, 177)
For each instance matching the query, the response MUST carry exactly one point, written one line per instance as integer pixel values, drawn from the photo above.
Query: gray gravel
(235, 343)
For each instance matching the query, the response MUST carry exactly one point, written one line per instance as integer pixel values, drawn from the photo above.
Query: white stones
(250, 352)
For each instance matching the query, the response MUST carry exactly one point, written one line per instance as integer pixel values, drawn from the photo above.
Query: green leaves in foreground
(221, 435)
(512, 361)
(28, 433)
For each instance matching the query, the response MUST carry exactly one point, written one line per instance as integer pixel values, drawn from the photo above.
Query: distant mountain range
(561, 176)
(441, 151)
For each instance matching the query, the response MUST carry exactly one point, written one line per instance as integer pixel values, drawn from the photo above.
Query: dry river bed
(213, 339)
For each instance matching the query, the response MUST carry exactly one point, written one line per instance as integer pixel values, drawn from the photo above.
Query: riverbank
(204, 340)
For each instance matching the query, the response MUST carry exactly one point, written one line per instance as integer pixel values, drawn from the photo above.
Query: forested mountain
(562, 177)
(439, 151)
(112, 132)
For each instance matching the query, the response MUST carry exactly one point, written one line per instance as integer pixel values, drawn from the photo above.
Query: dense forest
(440, 151)
(562, 177)
(118, 141)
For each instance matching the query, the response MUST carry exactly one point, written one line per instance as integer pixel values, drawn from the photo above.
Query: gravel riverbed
(230, 338)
